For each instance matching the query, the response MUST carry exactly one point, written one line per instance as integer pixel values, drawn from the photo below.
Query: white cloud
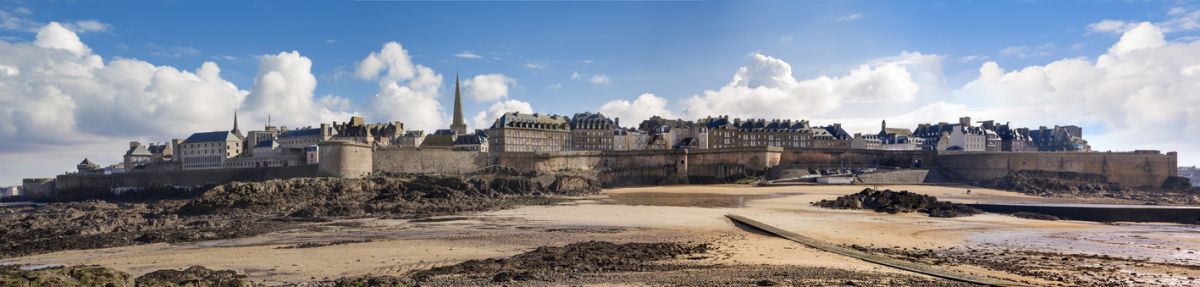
(484, 119)
(1028, 51)
(407, 92)
(284, 89)
(535, 66)
(55, 86)
(488, 87)
(1140, 93)
(554, 86)
(765, 87)
(599, 79)
(1111, 26)
(54, 35)
(644, 107)
(468, 55)
(88, 26)
(1180, 20)
(851, 17)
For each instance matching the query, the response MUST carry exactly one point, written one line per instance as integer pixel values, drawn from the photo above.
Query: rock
(592, 256)
(63, 276)
(196, 276)
(898, 201)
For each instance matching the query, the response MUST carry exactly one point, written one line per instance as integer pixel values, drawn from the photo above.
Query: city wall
(439, 161)
(1133, 169)
(76, 184)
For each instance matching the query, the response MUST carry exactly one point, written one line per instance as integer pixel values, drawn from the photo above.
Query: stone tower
(458, 127)
(235, 130)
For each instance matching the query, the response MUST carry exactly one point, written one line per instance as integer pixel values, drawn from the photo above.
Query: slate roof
(438, 140)
(471, 139)
(158, 149)
(301, 133)
(266, 143)
(220, 136)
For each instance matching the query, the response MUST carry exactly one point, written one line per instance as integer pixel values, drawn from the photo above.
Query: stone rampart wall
(411, 160)
(1132, 169)
(182, 178)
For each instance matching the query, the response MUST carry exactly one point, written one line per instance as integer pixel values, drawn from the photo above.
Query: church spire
(235, 124)
(458, 126)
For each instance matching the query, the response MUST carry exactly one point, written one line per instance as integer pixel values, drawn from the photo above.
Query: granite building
(517, 132)
(592, 131)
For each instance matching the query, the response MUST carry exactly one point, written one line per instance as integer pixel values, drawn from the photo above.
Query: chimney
(964, 121)
(134, 144)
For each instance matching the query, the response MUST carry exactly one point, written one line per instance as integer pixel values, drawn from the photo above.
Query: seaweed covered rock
(545, 262)
(63, 276)
(898, 201)
(195, 276)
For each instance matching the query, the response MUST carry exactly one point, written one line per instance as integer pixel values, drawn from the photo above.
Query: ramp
(902, 265)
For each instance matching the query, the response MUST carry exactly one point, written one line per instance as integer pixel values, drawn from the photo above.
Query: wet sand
(649, 214)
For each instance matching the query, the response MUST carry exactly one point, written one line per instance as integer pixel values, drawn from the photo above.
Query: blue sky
(566, 57)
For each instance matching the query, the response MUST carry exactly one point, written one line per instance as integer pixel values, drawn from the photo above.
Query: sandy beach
(652, 214)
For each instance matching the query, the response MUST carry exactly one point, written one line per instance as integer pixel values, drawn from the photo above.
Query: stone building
(379, 134)
(87, 167)
(671, 134)
(412, 139)
(630, 139)
(1060, 138)
(517, 132)
(137, 156)
(440, 139)
(592, 132)
(209, 149)
(304, 137)
(471, 142)
(866, 141)
(722, 132)
(898, 138)
(779, 133)
(838, 137)
(1014, 139)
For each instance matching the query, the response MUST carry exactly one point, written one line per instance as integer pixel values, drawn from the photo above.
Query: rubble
(898, 202)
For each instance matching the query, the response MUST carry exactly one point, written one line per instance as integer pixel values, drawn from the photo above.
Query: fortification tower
(458, 127)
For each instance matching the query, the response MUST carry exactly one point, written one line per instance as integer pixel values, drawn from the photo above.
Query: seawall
(1132, 169)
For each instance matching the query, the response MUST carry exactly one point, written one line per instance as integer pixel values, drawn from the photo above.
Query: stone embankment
(1174, 191)
(242, 209)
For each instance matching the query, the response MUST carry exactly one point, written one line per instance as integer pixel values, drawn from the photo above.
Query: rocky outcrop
(63, 276)
(897, 202)
(548, 262)
(195, 276)
(241, 209)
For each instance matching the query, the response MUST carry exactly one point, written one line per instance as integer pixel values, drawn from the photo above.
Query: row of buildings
(275, 146)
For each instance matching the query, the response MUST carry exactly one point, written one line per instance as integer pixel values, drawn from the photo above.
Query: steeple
(235, 130)
(458, 127)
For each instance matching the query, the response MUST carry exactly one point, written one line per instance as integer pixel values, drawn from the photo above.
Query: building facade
(517, 132)
(591, 131)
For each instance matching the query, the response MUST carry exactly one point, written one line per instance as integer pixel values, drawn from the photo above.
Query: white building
(965, 137)
(630, 139)
(209, 150)
(867, 141)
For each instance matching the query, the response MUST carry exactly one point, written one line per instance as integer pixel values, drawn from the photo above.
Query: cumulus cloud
(765, 87)
(284, 89)
(407, 92)
(1142, 92)
(58, 100)
(488, 87)
(644, 107)
(484, 119)
(1180, 20)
